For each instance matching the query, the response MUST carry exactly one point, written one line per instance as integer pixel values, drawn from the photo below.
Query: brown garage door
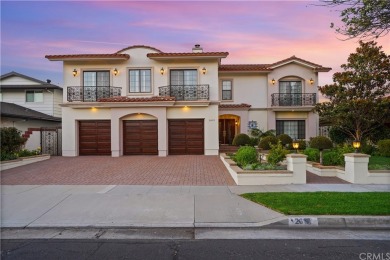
(95, 137)
(186, 136)
(140, 137)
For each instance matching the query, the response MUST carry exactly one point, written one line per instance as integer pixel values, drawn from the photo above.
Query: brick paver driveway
(126, 170)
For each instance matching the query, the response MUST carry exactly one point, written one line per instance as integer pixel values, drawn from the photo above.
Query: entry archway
(229, 126)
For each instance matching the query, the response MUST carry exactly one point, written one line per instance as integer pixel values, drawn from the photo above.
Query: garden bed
(5, 165)
(260, 177)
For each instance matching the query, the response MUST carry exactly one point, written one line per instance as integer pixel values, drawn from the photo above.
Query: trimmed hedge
(241, 140)
(266, 141)
(384, 147)
(285, 139)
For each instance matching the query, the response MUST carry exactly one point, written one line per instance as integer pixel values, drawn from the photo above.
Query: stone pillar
(297, 164)
(356, 167)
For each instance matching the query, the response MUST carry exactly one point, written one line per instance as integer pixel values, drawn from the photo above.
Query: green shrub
(241, 139)
(277, 153)
(255, 132)
(321, 143)
(254, 141)
(246, 155)
(285, 139)
(264, 166)
(332, 158)
(7, 156)
(11, 140)
(24, 153)
(270, 132)
(384, 147)
(266, 141)
(312, 154)
(368, 148)
(336, 155)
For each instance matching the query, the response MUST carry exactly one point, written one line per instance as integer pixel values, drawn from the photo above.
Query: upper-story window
(34, 96)
(184, 77)
(96, 78)
(140, 81)
(227, 87)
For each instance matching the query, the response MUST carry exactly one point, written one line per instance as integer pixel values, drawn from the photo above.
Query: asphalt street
(195, 249)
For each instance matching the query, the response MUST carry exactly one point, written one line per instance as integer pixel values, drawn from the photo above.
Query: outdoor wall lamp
(311, 81)
(295, 145)
(162, 71)
(273, 81)
(74, 73)
(204, 70)
(356, 145)
(116, 71)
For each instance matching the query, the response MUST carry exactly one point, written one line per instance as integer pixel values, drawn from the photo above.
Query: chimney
(197, 49)
(48, 81)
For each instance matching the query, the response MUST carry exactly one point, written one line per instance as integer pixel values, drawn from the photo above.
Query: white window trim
(220, 90)
(33, 102)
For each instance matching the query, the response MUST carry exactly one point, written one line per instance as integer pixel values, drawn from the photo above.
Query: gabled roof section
(139, 46)
(294, 59)
(40, 84)
(81, 57)
(16, 111)
(244, 67)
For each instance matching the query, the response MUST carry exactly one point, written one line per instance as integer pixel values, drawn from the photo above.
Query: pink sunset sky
(251, 31)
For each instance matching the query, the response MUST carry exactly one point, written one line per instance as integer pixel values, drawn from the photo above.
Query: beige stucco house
(141, 100)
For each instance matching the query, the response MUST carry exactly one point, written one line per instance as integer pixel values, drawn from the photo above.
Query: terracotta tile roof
(292, 58)
(242, 105)
(244, 67)
(188, 54)
(139, 46)
(140, 99)
(88, 56)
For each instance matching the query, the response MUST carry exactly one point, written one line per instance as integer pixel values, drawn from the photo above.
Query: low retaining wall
(355, 171)
(5, 165)
(295, 173)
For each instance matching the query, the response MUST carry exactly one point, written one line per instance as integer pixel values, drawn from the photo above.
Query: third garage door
(140, 137)
(186, 136)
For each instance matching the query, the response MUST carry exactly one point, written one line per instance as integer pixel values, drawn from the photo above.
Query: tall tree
(359, 99)
(366, 19)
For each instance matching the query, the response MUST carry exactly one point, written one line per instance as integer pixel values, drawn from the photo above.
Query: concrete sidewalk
(83, 206)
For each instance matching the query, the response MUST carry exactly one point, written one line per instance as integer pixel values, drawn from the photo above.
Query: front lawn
(324, 203)
(379, 163)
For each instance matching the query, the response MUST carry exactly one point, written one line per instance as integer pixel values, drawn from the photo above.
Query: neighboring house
(28, 121)
(29, 104)
(141, 100)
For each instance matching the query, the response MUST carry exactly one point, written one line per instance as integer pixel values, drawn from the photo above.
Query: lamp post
(295, 145)
(356, 145)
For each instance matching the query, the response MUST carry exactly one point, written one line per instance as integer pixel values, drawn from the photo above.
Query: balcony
(291, 100)
(185, 92)
(92, 94)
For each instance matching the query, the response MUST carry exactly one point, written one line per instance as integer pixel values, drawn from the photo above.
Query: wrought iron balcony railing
(185, 92)
(282, 99)
(92, 94)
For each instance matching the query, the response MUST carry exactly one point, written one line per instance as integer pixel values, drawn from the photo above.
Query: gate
(51, 141)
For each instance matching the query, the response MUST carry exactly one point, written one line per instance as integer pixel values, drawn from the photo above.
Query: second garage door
(95, 137)
(140, 137)
(186, 136)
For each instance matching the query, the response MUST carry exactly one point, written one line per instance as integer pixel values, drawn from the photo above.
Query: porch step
(228, 148)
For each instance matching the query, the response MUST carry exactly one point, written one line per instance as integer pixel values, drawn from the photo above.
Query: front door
(227, 131)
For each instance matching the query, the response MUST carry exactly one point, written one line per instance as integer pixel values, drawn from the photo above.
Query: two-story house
(29, 104)
(141, 100)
